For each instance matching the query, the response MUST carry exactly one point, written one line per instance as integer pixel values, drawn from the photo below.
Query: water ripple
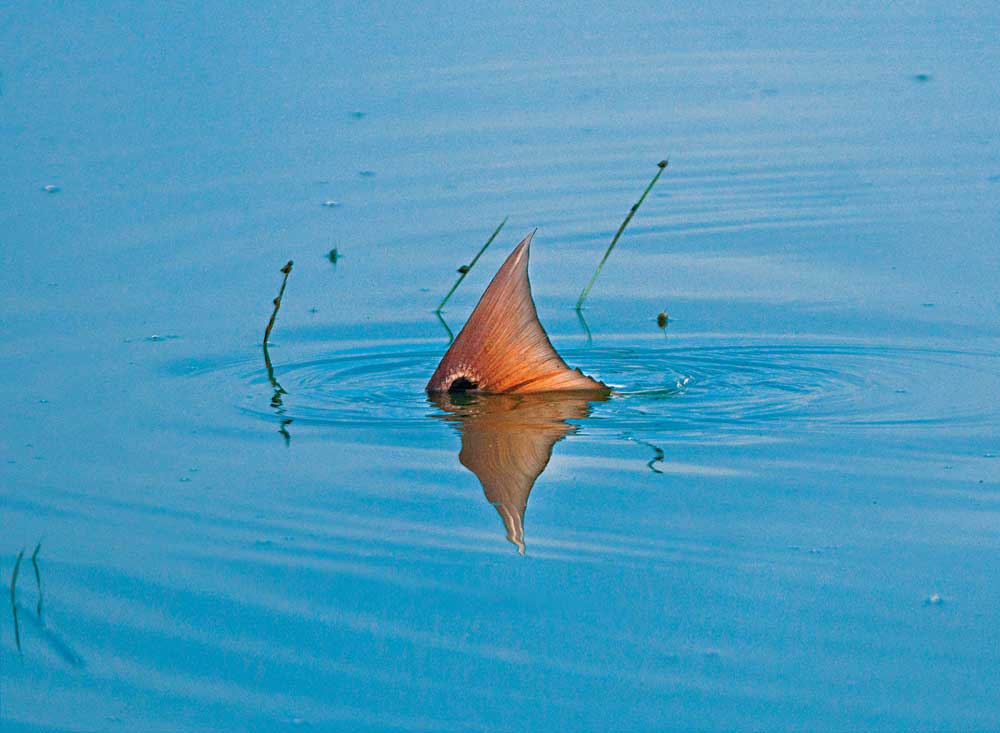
(692, 392)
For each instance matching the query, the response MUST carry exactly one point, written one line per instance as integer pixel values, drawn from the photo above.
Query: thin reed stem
(631, 212)
(465, 269)
(451, 336)
(277, 302)
(278, 390)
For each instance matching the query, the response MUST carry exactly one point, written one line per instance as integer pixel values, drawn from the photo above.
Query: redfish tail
(503, 347)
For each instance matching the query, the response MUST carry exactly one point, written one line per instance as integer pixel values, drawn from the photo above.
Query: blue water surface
(785, 517)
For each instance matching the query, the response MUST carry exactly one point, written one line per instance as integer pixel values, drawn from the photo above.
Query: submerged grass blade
(465, 269)
(631, 212)
(55, 641)
(38, 579)
(585, 327)
(13, 599)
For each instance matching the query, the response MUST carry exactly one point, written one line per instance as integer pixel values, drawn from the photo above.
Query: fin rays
(503, 347)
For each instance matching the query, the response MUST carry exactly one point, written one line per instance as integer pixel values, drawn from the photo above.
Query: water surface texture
(785, 517)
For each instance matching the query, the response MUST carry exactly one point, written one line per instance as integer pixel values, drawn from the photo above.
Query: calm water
(786, 517)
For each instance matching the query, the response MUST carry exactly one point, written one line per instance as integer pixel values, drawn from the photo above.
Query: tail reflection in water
(507, 442)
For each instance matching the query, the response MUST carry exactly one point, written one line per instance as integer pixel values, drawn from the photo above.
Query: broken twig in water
(631, 212)
(277, 302)
(278, 389)
(464, 269)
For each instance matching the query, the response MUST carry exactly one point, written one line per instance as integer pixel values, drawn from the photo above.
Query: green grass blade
(586, 291)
